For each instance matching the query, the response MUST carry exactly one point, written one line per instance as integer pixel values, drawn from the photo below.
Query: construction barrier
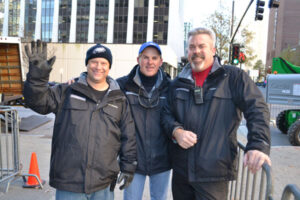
(275, 109)
(289, 191)
(10, 168)
(9, 145)
(256, 186)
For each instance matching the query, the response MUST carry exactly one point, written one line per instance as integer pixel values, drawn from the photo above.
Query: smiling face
(149, 61)
(97, 70)
(201, 52)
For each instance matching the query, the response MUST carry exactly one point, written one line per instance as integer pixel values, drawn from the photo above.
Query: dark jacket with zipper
(227, 92)
(88, 135)
(152, 143)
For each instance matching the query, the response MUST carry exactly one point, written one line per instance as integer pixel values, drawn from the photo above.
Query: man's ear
(214, 50)
(138, 59)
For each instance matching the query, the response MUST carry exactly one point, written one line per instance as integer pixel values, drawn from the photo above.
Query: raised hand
(39, 66)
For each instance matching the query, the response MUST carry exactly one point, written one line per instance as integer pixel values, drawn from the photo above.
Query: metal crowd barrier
(289, 191)
(10, 167)
(275, 109)
(248, 186)
(9, 145)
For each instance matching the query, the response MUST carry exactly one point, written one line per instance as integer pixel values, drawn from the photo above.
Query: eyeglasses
(147, 102)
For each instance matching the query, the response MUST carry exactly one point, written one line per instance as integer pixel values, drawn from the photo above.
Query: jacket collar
(137, 78)
(186, 73)
(82, 84)
(113, 85)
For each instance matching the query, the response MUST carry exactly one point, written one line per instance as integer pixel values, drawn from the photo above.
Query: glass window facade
(64, 20)
(120, 21)
(161, 19)
(30, 18)
(47, 19)
(82, 22)
(13, 17)
(140, 21)
(101, 21)
(1, 15)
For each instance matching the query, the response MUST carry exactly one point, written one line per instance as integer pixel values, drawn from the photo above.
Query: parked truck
(283, 87)
(11, 71)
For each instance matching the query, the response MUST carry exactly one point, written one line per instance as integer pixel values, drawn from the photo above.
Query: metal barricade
(248, 186)
(10, 167)
(275, 109)
(289, 191)
(9, 145)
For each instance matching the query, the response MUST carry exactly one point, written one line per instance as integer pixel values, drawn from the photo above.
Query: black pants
(183, 190)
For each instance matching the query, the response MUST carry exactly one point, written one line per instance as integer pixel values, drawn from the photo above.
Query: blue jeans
(158, 186)
(104, 194)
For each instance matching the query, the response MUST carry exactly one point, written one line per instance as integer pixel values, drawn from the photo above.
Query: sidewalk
(285, 164)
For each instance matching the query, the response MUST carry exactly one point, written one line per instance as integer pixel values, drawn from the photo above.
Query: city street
(284, 158)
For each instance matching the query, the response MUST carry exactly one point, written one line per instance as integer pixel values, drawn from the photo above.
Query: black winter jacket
(228, 92)
(88, 136)
(152, 143)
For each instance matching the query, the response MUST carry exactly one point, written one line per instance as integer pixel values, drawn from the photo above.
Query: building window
(161, 19)
(30, 19)
(64, 21)
(1, 15)
(101, 20)
(47, 19)
(120, 21)
(13, 17)
(140, 21)
(275, 29)
(82, 22)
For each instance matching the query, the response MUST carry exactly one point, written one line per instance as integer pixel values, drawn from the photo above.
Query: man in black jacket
(93, 125)
(146, 87)
(204, 110)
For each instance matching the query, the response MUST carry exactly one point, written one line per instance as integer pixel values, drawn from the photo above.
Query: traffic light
(274, 3)
(235, 54)
(259, 10)
(242, 57)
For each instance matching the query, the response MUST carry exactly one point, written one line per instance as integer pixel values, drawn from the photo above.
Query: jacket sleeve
(250, 101)
(128, 158)
(40, 97)
(168, 120)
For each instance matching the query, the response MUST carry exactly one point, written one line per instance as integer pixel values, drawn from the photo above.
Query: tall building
(187, 27)
(79, 24)
(284, 28)
(74, 21)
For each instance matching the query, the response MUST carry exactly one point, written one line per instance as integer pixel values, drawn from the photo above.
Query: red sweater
(200, 76)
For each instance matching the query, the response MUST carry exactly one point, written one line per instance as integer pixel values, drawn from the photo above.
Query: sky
(196, 11)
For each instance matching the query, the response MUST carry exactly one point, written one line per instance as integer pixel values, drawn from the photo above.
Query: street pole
(237, 28)
(231, 30)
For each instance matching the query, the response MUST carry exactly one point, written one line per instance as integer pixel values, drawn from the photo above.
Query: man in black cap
(93, 125)
(146, 87)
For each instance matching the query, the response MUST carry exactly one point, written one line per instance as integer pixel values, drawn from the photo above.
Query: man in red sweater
(203, 113)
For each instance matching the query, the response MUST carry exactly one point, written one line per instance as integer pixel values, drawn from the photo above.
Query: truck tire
(294, 133)
(281, 122)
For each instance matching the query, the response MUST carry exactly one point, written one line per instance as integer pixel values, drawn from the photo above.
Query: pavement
(285, 164)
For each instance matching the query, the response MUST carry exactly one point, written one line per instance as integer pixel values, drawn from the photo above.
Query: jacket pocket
(113, 111)
(182, 94)
(75, 108)
(67, 164)
(223, 93)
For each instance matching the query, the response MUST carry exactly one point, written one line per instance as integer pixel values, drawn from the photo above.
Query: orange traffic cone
(32, 182)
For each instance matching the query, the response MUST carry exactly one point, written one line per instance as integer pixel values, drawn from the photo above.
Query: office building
(123, 25)
(284, 28)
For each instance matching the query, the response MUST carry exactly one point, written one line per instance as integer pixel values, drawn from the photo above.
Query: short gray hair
(202, 30)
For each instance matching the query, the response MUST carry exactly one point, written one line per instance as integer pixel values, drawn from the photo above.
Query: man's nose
(150, 61)
(197, 50)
